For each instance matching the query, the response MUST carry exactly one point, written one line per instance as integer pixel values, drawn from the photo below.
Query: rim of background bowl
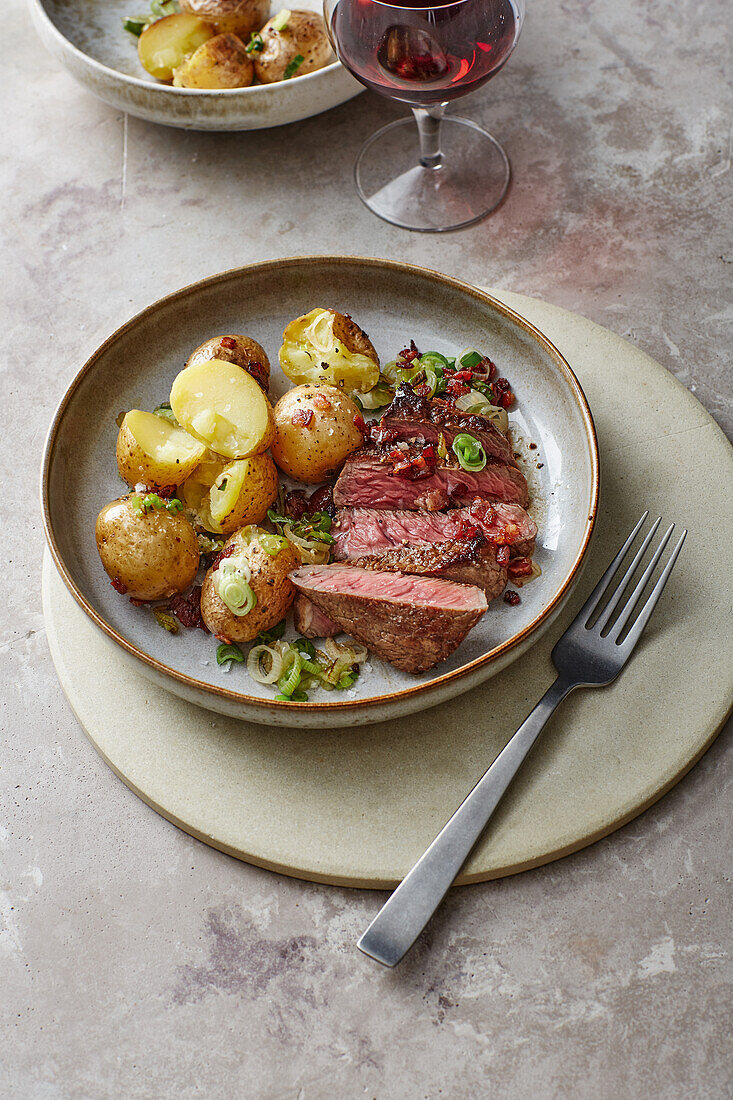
(156, 88)
(337, 707)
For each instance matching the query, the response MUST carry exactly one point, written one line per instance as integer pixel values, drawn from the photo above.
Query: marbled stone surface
(134, 961)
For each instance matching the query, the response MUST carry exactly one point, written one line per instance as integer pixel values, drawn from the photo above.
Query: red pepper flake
(512, 598)
(228, 342)
(118, 585)
(462, 376)
(520, 567)
(187, 609)
(302, 418)
(320, 401)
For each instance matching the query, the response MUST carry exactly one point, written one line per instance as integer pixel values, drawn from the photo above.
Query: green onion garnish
(256, 43)
(226, 653)
(471, 359)
(280, 22)
(266, 637)
(290, 679)
(165, 619)
(135, 25)
(292, 68)
(469, 452)
(165, 412)
(151, 502)
(304, 645)
(435, 359)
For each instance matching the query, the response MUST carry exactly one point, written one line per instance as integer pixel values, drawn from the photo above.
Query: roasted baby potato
(223, 407)
(195, 490)
(294, 43)
(166, 44)
(243, 351)
(327, 346)
(149, 554)
(242, 493)
(249, 590)
(316, 429)
(154, 452)
(222, 62)
(240, 17)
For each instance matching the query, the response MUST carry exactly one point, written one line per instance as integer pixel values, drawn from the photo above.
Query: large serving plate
(88, 39)
(394, 302)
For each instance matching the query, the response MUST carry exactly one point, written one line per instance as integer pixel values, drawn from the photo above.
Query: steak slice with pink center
(414, 622)
(368, 480)
(310, 622)
(467, 561)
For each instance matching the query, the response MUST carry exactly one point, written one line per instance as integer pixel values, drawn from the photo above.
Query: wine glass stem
(428, 125)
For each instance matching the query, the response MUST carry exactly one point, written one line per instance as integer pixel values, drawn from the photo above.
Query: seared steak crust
(472, 561)
(412, 622)
(412, 415)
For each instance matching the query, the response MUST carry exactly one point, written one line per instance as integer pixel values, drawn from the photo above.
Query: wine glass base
(470, 182)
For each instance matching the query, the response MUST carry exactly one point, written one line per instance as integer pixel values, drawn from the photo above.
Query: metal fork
(585, 656)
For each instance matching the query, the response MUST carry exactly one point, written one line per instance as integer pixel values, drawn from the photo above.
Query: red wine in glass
(424, 55)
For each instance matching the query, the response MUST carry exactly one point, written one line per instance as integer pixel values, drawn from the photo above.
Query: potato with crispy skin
(153, 452)
(294, 43)
(327, 346)
(248, 590)
(220, 63)
(243, 351)
(316, 429)
(149, 554)
(166, 44)
(222, 406)
(240, 17)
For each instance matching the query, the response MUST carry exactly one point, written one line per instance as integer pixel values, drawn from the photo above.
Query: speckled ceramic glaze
(88, 38)
(394, 303)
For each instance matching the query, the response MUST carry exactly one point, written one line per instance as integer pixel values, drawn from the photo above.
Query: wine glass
(448, 172)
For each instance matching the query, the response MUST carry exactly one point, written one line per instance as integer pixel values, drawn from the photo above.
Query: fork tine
(636, 594)
(592, 602)
(616, 598)
(646, 612)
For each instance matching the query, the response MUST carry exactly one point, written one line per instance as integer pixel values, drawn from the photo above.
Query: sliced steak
(310, 622)
(411, 416)
(469, 561)
(359, 532)
(412, 622)
(368, 480)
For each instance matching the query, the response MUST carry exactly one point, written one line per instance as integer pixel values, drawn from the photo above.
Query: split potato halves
(222, 406)
(154, 452)
(327, 346)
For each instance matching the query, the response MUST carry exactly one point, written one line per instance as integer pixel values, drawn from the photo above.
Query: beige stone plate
(357, 806)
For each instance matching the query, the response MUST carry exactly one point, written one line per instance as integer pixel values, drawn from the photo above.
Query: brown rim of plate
(139, 82)
(341, 706)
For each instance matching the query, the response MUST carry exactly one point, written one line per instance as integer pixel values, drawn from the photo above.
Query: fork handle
(403, 917)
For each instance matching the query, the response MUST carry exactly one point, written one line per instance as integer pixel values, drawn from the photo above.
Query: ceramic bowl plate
(87, 38)
(394, 302)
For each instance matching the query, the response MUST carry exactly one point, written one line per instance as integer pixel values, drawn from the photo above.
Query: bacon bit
(462, 376)
(187, 609)
(502, 392)
(225, 553)
(379, 433)
(512, 598)
(320, 401)
(118, 585)
(228, 342)
(167, 492)
(322, 501)
(360, 425)
(502, 555)
(422, 390)
(466, 530)
(533, 446)
(408, 355)
(296, 504)
(416, 467)
(456, 389)
(520, 567)
(302, 418)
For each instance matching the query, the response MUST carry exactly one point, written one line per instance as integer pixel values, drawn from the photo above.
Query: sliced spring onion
(305, 645)
(226, 653)
(256, 43)
(166, 620)
(475, 402)
(434, 359)
(292, 67)
(378, 396)
(151, 502)
(389, 372)
(135, 24)
(280, 22)
(289, 678)
(165, 412)
(469, 452)
(266, 637)
(271, 544)
(259, 655)
(468, 358)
